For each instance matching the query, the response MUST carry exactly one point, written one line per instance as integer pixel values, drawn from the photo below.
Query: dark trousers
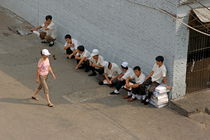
(151, 89)
(140, 90)
(94, 70)
(119, 84)
(69, 51)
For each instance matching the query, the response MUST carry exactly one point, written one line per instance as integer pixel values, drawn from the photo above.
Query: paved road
(84, 110)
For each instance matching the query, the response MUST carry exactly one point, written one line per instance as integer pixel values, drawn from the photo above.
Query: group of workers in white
(133, 80)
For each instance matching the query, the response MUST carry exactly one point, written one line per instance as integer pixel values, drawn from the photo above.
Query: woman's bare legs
(36, 92)
(48, 100)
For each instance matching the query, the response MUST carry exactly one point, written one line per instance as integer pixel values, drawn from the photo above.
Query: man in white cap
(96, 63)
(111, 72)
(126, 72)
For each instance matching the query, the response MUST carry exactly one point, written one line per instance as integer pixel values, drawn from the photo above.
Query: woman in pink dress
(43, 70)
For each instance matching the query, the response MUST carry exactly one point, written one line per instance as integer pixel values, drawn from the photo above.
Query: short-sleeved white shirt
(52, 30)
(75, 42)
(159, 73)
(99, 62)
(138, 80)
(114, 71)
(86, 54)
(128, 73)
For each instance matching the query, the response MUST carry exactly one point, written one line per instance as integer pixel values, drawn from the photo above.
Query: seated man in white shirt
(95, 63)
(111, 72)
(70, 46)
(126, 72)
(155, 78)
(133, 85)
(81, 57)
(48, 33)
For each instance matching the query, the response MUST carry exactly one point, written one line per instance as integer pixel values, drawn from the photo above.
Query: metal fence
(198, 65)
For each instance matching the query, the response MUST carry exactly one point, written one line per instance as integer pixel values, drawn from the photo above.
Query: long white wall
(120, 29)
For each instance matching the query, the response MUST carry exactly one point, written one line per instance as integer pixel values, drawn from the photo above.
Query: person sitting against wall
(133, 85)
(81, 57)
(47, 31)
(155, 78)
(95, 63)
(126, 72)
(111, 73)
(70, 46)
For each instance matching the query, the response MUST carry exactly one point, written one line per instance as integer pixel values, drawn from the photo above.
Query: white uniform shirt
(99, 62)
(52, 30)
(114, 71)
(75, 42)
(159, 73)
(86, 54)
(138, 80)
(128, 73)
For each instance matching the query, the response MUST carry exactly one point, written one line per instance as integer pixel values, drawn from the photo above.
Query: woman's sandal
(34, 98)
(50, 105)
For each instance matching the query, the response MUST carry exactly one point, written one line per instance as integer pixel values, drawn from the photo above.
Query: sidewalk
(193, 103)
(84, 110)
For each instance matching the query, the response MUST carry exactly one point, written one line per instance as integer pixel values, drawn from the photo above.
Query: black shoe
(81, 67)
(143, 101)
(87, 70)
(92, 74)
(51, 44)
(101, 83)
(146, 102)
(44, 41)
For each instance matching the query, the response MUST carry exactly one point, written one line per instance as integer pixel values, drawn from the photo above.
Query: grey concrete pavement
(84, 110)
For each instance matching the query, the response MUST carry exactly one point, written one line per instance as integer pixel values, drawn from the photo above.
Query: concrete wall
(120, 29)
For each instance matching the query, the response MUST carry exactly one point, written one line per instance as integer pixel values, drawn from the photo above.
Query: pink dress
(43, 67)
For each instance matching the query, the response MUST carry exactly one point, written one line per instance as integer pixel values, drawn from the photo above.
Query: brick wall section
(121, 30)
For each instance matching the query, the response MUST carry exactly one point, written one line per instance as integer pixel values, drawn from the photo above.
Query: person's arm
(73, 54)
(37, 76)
(164, 80)
(36, 28)
(150, 75)
(80, 62)
(107, 78)
(135, 85)
(127, 81)
(98, 66)
(77, 57)
(66, 46)
(51, 72)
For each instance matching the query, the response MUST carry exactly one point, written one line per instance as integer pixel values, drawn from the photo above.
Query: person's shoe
(44, 41)
(92, 74)
(115, 92)
(34, 98)
(143, 101)
(126, 97)
(51, 44)
(81, 67)
(50, 105)
(131, 99)
(101, 83)
(146, 102)
(87, 70)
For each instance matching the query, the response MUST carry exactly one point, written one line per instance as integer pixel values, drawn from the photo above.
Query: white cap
(45, 52)
(94, 52)
(124, 64)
